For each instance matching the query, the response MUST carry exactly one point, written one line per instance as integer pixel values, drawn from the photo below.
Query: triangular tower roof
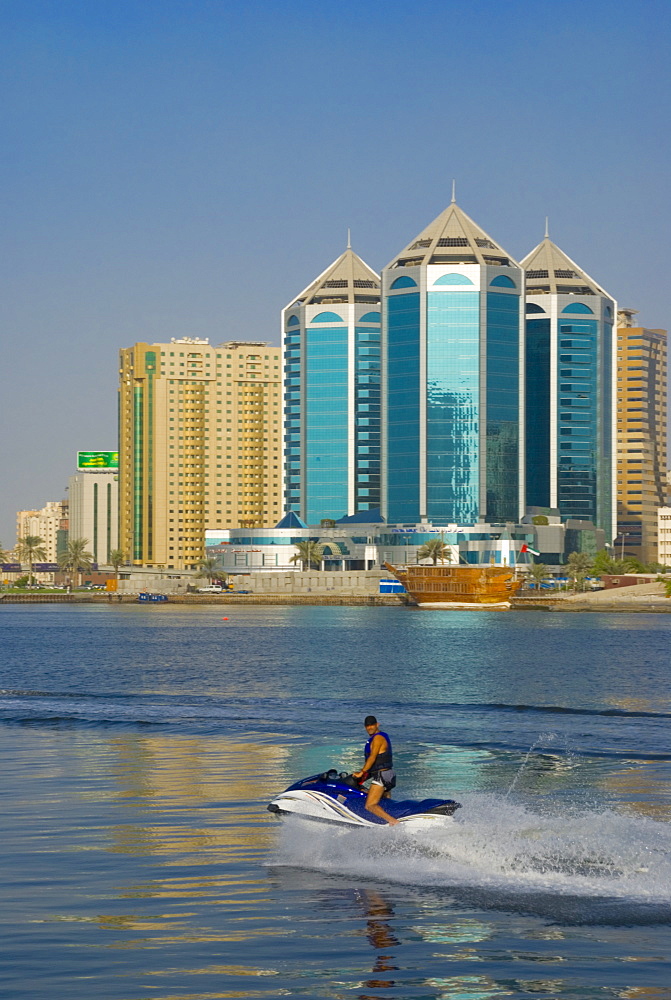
(291, 520)
(549, 271)
(453, 238)
(347, 279)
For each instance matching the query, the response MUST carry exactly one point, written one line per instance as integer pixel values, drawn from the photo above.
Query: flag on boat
(526, 548)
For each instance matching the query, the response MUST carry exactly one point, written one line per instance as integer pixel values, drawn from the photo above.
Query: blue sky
(184, 167)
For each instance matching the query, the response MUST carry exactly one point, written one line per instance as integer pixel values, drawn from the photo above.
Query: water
(141, 745)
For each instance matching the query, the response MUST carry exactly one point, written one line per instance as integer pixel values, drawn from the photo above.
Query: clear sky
(185, 167)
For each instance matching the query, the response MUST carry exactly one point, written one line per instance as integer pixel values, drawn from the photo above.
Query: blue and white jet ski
(339, 798)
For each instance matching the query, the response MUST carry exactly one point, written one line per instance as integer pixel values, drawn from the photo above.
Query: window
(450, 279)
(405, 281)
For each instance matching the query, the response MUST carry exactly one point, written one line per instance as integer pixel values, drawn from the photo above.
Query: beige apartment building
(199, 446)
(50, 523)
(641, 436)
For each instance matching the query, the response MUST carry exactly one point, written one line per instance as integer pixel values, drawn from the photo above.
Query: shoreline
(639, 604)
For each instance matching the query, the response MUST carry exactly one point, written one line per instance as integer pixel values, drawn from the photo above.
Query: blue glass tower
(452, 378)
(570, 373)
(331, 346)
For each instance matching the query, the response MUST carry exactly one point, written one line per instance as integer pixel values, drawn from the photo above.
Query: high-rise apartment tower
(199, 446)
(331, 342)
(452, 377)
(641, 435)
(569, 389)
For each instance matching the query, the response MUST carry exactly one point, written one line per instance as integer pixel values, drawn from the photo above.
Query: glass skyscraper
(452, 378)
(569, 389)
(331, 351)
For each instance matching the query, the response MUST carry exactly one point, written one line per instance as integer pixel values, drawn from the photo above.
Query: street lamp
(623, 535)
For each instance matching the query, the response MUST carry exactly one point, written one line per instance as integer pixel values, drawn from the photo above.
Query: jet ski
(339, 798)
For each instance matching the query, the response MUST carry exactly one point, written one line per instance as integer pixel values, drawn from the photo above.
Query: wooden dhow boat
(460, 586)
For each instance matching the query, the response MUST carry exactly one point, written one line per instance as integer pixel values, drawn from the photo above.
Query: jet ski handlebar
(343, 776)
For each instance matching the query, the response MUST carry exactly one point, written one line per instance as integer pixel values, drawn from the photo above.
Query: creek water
(140, 746)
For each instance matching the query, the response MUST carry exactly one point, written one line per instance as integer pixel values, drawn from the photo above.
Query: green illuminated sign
(97, 459)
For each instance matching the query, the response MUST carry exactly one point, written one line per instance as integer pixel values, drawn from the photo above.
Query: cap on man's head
(370, 720)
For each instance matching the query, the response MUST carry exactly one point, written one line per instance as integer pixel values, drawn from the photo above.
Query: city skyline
(153, 151)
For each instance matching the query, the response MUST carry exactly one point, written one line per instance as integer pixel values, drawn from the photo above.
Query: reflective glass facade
(452, 372)
(577, 419)
(326, 430)
(402, 407)
(503, 399)
(579, 406)
(452, 406)
(538, 349)
(367, 417)
(331, 413)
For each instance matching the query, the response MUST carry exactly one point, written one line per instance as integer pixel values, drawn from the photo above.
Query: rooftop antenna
(547, 227)
(454, 191)
(349, 238)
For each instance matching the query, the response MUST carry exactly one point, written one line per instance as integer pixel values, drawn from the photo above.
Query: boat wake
(500, 853)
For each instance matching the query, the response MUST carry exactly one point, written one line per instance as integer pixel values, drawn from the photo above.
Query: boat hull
(321, 808)
(459, 587)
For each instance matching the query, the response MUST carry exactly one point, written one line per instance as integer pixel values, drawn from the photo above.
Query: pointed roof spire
(453, 238)
(547, 227)
(347, 279)
(454, 192)
(349, 238)
(550, 271)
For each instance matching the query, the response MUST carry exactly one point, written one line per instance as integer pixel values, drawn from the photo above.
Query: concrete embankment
(219, 600)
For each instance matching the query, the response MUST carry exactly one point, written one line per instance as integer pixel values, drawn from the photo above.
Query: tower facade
(93, 498)
(452, 377)
(331, 352)
(569, 389)
(641, 435)
(199, 446)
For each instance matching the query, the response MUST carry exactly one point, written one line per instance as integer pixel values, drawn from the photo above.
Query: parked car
(213, 589)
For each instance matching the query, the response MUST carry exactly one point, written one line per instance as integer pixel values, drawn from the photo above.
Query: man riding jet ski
(338, 798)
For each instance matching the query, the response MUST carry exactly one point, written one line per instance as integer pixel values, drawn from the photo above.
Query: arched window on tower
(578, 307)
(405, 281)
(327, 317)
(453, 279)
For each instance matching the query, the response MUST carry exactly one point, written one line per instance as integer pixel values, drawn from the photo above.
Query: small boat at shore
(485, 588)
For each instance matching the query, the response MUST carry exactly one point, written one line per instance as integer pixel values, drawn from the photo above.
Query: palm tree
(4, 555)
(309, 554)
(538, 572)
(435, 549)
(211, 570)
(579, 565)
(117, 558)
(75, 559)
(31, 549)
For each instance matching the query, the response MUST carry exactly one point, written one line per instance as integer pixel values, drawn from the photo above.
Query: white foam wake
(498, 844)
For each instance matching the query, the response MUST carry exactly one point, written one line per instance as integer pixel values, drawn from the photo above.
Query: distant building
(94, 512)
(452, 377)
(331, 342)
(570, 404)
(664, 536)
(50, 524)
(199, 445)
(641, 435)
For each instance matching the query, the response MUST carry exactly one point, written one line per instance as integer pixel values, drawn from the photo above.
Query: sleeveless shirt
(383, 761)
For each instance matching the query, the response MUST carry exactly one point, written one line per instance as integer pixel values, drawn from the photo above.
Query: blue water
(140, 746)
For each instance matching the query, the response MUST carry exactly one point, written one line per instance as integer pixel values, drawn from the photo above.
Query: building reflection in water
(381, 937)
